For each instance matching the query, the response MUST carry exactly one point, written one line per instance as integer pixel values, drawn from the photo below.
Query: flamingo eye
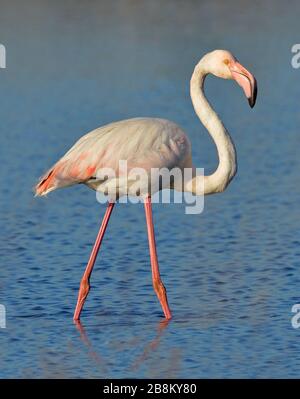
(226, 62)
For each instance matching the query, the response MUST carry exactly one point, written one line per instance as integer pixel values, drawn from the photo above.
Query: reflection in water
(148, 349)
(100, 361)
(151, 346)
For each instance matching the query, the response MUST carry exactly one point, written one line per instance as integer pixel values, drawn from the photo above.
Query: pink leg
(157, 282)
(84, 284)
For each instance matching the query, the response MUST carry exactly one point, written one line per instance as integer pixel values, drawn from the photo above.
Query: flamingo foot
(161, 293)
(82, 295)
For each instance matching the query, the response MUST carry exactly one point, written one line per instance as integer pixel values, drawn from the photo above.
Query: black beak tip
(252, 99)
(251, 102)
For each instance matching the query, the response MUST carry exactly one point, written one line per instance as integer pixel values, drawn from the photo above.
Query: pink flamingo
(151, 143)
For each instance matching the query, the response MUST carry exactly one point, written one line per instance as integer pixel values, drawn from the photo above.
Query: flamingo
(151, 143)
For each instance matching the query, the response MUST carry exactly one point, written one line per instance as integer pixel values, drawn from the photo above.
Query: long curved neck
(227, 167)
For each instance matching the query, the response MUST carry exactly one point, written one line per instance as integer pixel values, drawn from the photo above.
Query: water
(232, 273)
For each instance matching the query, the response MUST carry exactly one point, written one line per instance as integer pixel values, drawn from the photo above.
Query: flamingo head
(223, 64)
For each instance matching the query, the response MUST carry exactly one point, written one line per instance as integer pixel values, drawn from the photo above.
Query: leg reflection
(151, 346)
(148, 349)
(92, 353)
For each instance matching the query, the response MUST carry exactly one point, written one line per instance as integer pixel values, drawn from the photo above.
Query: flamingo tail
(46, 183)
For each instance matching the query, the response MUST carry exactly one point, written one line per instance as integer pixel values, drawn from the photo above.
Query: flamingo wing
(142, 142)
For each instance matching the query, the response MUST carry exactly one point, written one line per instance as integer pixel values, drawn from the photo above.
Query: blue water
(232, 272)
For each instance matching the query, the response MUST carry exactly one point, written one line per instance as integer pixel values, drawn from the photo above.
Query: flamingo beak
(246, 80)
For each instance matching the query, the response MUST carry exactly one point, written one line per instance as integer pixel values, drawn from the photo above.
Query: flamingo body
(141, 142)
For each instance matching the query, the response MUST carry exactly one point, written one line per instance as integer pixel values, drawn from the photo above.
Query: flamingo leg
(85, 281)
(158, 286)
